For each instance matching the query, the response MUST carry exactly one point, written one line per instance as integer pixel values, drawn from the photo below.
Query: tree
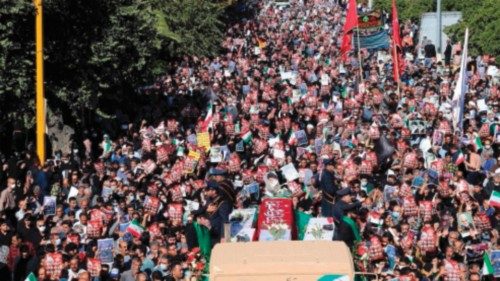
(197, 23)
(483, 21)
(412, 10)
(97, 53)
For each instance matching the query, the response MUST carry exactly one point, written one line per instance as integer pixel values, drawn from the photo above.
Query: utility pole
(439, 26)
(40, 96)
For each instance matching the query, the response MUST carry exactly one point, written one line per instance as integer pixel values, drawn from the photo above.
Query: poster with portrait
(105, 247)
(94, 267)
(49, 205)
(465, 223)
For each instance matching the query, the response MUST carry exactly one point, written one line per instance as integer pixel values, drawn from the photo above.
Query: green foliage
(97, 53)
(407, 9)
(197, 23)
(483, 20)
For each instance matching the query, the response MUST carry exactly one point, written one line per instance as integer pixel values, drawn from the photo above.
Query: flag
(460, 158)
(247, 136)
(487, 266)
(334, 277)
(478, 143)
(397, 57)
(460, 89)
(375, 218)
(301, 221)
(135, 228)
(495, 199)
(31, 277)
(207, 123)
(350, 23)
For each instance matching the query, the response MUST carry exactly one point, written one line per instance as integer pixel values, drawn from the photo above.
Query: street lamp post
(40, 100)
(439, 25)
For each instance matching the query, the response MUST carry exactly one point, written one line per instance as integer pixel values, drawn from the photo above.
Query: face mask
(122, 169)
(163, 267)
(13, 186)
(487, 146)
(41, 228)
(364, 182)
(395, 216)
(58, 242)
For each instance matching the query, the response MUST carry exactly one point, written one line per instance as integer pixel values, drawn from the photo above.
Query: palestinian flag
(487, 266)
(31, 277)
(495, 199)
(207, 123)
(246, 136)
(135, 228)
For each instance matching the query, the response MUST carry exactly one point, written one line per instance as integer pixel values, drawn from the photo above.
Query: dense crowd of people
(371, 151)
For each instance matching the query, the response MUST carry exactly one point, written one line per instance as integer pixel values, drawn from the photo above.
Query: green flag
(203, 235)
(301, 221)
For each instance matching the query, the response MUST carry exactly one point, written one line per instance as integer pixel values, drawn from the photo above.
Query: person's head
(84, 276)
(73, 264)
(177, 271)
(83, 218)
(135, 265)
(40, 224)
(4, 227)
(42, 274)
(11, 183)
(72, 203)
(172, 250)
(141, 277)
(163, 262)
(474, 277)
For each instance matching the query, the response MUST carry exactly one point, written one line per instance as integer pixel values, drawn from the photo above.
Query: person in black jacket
(344, 231)
(328, 188)
(218, 209)
(447, 53)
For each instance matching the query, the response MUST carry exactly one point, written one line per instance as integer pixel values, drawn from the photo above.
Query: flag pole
(359, 59)
(395, 64)
(40, 100)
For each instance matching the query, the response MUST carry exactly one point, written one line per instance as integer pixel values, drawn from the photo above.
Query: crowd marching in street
(399, 146)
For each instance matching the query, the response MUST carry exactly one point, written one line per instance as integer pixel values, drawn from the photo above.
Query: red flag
(395, 25)
(350, 23)
(397, 58)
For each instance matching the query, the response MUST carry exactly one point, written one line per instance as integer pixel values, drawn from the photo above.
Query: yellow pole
(40, 100)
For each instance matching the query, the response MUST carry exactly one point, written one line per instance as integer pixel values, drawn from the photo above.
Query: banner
(275, 219)
(375, 41)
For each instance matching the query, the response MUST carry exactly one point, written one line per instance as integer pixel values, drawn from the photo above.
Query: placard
(320, 229)
(289, 172)
(495, 262)
(94, 267)
(203, 140)
(301, 138)
(53, 265)
(241, 221)
(215, 154)
(105, 247)
(275, 219)
(49, 205)
(465, 223)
